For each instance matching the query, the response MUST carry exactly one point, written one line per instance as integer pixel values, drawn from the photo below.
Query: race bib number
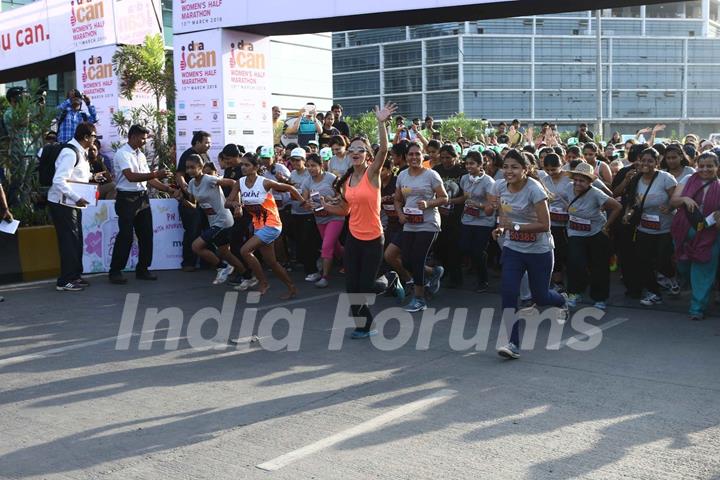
(557, 214)
(651, 222)
(254, 209)
(208, 209)
(579, 224)
(390, 210)
(472, 211)
(321, 213)
(524, 237)
(413, 215)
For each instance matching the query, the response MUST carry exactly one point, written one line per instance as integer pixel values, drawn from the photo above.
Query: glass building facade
(659, 63)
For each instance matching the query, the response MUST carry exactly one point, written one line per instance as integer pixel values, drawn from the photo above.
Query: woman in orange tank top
(359, 191)
(252, 195)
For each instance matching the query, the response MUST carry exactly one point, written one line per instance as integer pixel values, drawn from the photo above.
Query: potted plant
(32, 253)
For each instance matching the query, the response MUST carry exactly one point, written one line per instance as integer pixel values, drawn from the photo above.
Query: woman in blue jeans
(524, 223)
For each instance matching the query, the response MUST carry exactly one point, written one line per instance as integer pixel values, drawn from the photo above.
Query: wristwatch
(516, 227)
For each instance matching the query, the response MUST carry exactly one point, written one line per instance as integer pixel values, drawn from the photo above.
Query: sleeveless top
(260, 204)
(364, 202)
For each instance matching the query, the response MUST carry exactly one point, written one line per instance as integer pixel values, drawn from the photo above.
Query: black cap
(14, 92)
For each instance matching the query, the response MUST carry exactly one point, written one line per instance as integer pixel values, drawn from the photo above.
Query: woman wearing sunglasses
(359, 192)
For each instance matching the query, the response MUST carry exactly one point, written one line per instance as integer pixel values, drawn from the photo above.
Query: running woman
(256, 199)
(556, 183)
(524, 222)
(418, 195)
(320, 186)
(478, 217)
(359, 191)
(588, 230)
(205, 192)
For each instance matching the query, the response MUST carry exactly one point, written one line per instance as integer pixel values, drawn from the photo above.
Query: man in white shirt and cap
(65, 207)
(132, 205)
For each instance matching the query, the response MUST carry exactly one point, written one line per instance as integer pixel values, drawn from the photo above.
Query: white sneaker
(223, 274)
(322, 283)
(247, 283)
(313, 277)
(651, 299)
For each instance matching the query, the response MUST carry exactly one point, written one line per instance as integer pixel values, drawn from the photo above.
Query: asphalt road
(642, 405)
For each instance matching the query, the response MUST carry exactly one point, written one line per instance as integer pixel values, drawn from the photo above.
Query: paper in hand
(9, 227)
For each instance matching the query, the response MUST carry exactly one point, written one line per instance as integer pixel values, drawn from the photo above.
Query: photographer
(306, 126)
(70, 114)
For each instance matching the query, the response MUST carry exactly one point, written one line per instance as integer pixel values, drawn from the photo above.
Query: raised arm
(382, 115)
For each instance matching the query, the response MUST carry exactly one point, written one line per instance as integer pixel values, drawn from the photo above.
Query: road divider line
(365, 427)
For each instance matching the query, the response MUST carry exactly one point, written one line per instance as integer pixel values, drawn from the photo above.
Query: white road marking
(365, 427)
(583, 338)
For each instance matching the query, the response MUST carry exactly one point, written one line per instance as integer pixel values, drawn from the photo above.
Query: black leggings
(362, 262)
(415, 249)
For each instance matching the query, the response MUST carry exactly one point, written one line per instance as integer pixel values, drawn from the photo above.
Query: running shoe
(359, 333)
(509, 351)
(663, 281)
(526, 304)
(600, 305)
(482, 287)
(558, 287)
(674, 287)
(564, 314)
(433, 284)
(222, 274)
(573, 299)
(416, 305)
(322, 283)
(235, 279)
(247, 283)
(69, 287)
(313, 277)
(651, 299)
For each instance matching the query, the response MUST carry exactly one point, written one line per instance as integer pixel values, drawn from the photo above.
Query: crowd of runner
(417, 211)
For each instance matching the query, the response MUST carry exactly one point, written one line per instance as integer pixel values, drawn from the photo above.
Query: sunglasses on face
(357, 150)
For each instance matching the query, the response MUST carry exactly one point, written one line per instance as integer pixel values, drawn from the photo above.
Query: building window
(558, 105)
(703, 104)
(404, 80)
(703, 51)
(626, 50)
(507, 50)
(497, 105)
(442, 105)
(408, 105)
(437, 30)
(568, 50)
(356, 59)
(703, 76)
(443, 77)
(675, 10)
(668, 77)
(652, 105)
(561, 26)
(402, 55)
(353, 84)
(629, 12)
(503, 26)
(673, 28)
(496, 76)
(441, 51)
(377, 35)
(568, 76)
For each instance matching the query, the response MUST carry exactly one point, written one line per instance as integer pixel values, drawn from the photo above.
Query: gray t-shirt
(282, 199)
(558, 199)
(211, 200)
(325, 188)
(338, 166)
(686, 172)
(520, 208)
(297, 180)
(477, 188)
(652, 221)
(415, 189)
(586, 217)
